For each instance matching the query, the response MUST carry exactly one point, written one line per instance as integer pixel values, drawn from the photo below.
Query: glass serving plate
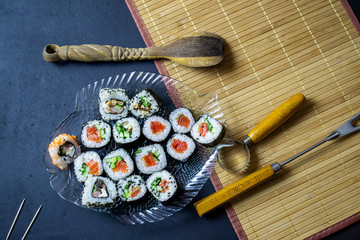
(190, 175)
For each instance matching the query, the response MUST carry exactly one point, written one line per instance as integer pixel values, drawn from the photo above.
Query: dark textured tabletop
(36, 95)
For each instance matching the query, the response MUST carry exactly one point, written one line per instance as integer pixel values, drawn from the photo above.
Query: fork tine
(15, 219)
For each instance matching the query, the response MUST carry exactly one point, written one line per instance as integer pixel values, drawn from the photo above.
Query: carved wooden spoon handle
(93, 53)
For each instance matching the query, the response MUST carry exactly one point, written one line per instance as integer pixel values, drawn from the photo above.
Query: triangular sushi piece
(99, 191)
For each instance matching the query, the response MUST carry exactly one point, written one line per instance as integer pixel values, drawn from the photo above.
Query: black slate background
(36, 95)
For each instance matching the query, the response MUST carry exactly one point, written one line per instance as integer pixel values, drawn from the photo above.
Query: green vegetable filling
(85, 170)
(138, 151)
(113, 161)
(210, 127)
(144, 102)
(127, 190)
(156, 155)
(155, 185)
(123, 132)
(102, 131)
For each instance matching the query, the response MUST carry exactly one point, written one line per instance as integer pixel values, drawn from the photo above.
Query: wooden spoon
(199, 49)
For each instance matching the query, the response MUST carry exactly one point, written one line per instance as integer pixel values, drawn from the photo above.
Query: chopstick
(32, 221)
(16, 217)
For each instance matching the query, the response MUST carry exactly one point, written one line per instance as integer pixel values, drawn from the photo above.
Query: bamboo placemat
(275, 49)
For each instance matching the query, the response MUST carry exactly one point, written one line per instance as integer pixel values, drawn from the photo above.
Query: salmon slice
(179, 146)
(94, 167)
(164, 185)
(149, 160)
(156, 127)
(121, 166)
(93, 134)
(203, 129)
(134, 191)
(183, 121)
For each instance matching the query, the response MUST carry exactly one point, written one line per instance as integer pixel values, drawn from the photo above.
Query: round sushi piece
(112, 103)
(95, 134)
(180, 147)
(207, 131)
(144, 104)
(150, 159)
(181, 120)
(162, 185)
(118, 164)
(126, 130)
(63, 150)
(156, 128)
(86, 165)
(99, 191)
(131, 188)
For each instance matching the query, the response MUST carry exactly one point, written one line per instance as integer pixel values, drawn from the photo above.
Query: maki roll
(162, 185)
(63, 150)
(118, 164)
(112, 103)
(95, 134)
(131, 188)
(156, 128)
(207, 131)
(144, 104)
(180, 147)
(150, 159)
(126, 130)
(86, 165)
(182, 120)
(99, 191)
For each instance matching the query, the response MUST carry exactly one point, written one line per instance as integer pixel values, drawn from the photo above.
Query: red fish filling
(149, 160)
(183, 121)
(94, 167)
(157, 127)
(179, 146)
(93, 134)
(203, 129)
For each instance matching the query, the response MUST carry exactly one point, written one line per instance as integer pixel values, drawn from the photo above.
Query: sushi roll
(118, 164)
(181, 120)
(126, 130)
(131, 188)
(144, 104)
(207, 131)
(150, 159)
(180, 147)
(95, 134)
(99, 191)
(162, 185)
(86, 165)
(112, 103)
(63, 150)
(156, 128)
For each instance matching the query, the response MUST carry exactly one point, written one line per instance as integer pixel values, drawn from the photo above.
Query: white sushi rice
(88, 198)
(108, 94)
(159, 136)
(213, 135)
(101, 126)
(129, 184)
(126, 130)
(138, 109)
(155, 149)
(80, 165)
(174, 117)
(180, 155)
(121, 155)
(162, 185)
